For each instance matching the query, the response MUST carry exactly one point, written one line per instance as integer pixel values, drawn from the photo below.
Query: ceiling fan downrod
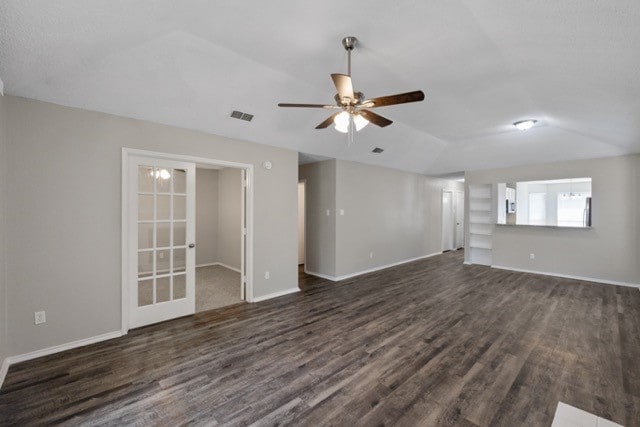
(349, 44)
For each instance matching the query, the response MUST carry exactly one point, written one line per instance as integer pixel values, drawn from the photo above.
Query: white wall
(206, 216)
(396, 215)
(64, 207)
(230, 217)
(4, 348)
(608, 251)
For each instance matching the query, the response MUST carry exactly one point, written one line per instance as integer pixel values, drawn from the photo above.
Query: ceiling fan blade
(374, 118)
(344, 85)
(284, 104)
(327, 122)
(401, 98)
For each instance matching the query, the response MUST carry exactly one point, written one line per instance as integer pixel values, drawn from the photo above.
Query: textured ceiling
(573, 65)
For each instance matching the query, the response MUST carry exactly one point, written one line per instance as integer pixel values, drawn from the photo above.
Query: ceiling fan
(353, 105)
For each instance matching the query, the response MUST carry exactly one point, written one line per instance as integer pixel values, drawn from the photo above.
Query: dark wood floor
(427, 343)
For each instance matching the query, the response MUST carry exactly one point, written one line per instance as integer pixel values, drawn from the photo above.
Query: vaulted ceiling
(483, 64)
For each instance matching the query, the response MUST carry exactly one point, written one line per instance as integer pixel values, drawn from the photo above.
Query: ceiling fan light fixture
(342, 122)
(359, 121)
(525, 124)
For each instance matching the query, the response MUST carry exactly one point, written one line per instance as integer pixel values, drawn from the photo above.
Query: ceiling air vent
(377, 150)
(242, 116)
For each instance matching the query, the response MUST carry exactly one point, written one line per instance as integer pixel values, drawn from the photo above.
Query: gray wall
(320, 233)
(4, 350)
(230, 217)
(206, 216)
(64, 207)
(396, 215)
(608, 251)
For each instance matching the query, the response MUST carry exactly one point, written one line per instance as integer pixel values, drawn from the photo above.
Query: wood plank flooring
(429, 343)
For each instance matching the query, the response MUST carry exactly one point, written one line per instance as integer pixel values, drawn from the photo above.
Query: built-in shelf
(479, 233)
(481, 223)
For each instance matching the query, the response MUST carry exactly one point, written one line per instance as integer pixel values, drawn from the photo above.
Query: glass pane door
(163, 286)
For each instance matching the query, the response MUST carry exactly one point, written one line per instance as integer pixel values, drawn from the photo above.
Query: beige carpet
(216, 286)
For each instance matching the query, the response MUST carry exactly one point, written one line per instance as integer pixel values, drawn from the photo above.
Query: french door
(161, 198)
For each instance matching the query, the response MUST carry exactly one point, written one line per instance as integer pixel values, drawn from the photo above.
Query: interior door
(459, 219)
(161, 239)
(447, 221)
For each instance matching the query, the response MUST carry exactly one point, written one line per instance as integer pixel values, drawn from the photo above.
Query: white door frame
(126, 257)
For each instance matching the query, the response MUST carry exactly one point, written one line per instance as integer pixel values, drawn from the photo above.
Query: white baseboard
(62, 347)
(55, 349)
(209, 264)
(568, 276)
(237, 270)
(370, 270)
(320, 275)
(3, 370)
(276, 294)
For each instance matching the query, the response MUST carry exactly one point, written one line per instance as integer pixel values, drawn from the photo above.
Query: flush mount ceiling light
(525, 124)
(160, 174)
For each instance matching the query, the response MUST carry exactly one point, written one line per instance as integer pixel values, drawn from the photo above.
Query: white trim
(211, 264)
(237, 270)
(276, 294)
(63, 347)
(55, 349)
(568, 276)
(250, 176)
(320, 275)
(124, 235)
(3, 370)
(371, 270)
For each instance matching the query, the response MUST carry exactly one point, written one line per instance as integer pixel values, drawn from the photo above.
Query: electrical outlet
(328, 212)
(341, 211)
(39, 317)
(371, 254)
(267, 275)
(532, 256)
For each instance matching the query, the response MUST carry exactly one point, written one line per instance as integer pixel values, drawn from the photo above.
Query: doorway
(301, 223)
(448, 221)
(219, 227)
(159, 235)
(459, 209)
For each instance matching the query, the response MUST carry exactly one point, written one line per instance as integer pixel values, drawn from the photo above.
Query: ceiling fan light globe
(343, 129)
(342, 122)
(359, 121)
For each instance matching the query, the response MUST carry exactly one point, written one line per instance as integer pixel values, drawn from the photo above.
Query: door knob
(192, 245)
